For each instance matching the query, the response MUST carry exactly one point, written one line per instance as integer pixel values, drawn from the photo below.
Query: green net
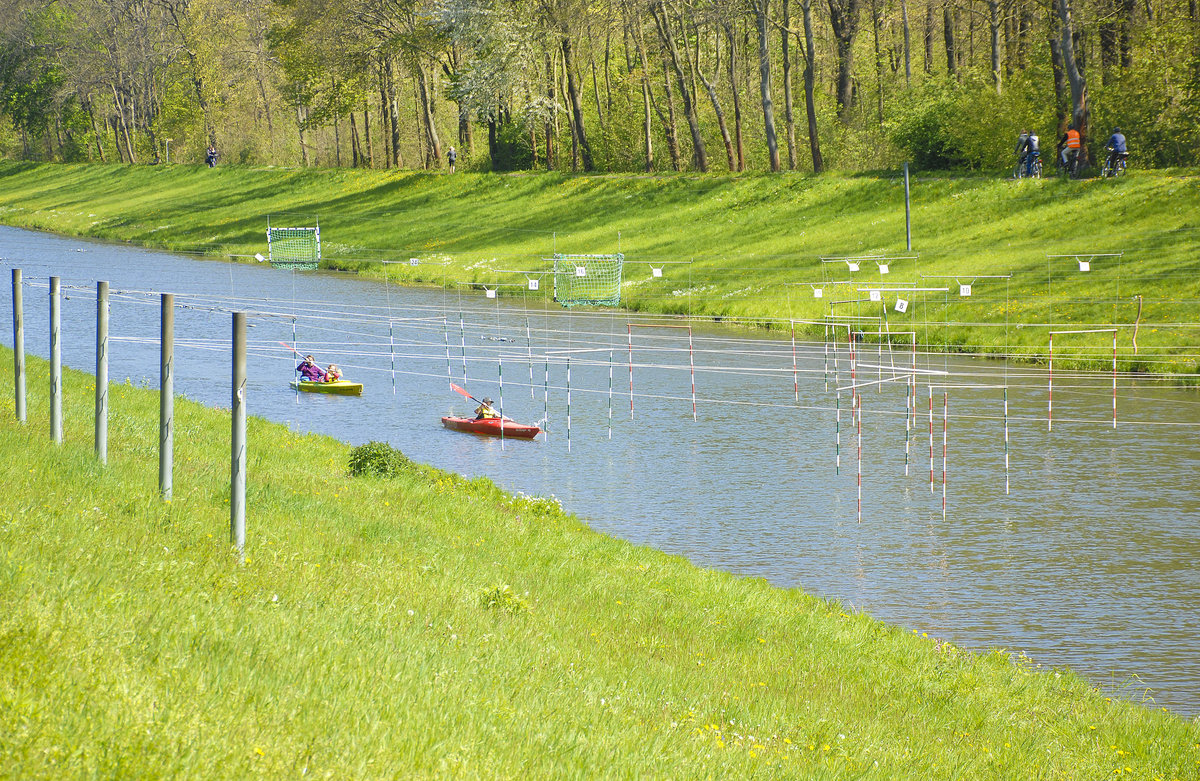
(588, 280)
(296, 248)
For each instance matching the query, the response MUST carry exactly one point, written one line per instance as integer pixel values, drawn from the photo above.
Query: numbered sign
(818, 292)
(414, 262)
(655, 272)
(533, 284)
(876, 295)
(1085, 265)
(489, 293)
(853, 266)
(883, 268)
(901, 305)
(964, 291)
(580, 271)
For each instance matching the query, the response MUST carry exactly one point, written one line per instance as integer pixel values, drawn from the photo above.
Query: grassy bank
(735, 247)
(424, 625)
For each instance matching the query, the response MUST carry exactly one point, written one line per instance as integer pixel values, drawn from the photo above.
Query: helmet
(1116, 130)
(486, 400)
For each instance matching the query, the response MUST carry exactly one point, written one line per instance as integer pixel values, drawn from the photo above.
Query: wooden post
(166, 397)
(56, 434)
(237, 473)
(102, 372)
(18, 346)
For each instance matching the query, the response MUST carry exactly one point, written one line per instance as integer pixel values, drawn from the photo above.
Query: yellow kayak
(339, 387)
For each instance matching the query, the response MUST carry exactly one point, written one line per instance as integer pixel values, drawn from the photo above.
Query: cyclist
(1117, 149)
(1069, 144)
(1032, 151)
(1020, 151)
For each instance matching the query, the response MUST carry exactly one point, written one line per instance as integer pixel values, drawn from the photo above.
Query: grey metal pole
(102, 372)
(237, 472)
(907, 214)
(56, 434)
(166, 397)
(18, 346)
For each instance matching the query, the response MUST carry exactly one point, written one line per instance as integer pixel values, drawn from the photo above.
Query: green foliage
(925, 129)
(503, 599)
(377, 459)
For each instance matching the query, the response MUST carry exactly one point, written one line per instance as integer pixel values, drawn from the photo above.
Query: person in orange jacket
(1069, 145)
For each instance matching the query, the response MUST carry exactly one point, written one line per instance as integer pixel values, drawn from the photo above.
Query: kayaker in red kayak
(485, 411)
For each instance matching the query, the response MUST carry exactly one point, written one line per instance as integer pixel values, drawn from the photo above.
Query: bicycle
(1034, 168)
(1114, 165)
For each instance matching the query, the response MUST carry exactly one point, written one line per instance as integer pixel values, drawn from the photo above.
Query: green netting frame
(588, 280)
(295, 248)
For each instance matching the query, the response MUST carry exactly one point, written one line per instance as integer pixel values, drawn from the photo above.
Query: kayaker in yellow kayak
(333, 373)
(310, 371)
(485, 410)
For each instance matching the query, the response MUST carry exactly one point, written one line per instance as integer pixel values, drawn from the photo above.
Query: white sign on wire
(876, 295)
(901, 305)
(533, 284)
(964, 291)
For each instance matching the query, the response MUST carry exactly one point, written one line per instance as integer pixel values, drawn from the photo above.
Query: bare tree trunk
(994, 24)
(367, 136)
(585, 151)
(810, 107)
(303, 143)
(1079, 90)
(95, 131)
(761, 12)
(355, 152)
(633, 24)
(427, 110)
(672, 128)
(948, 35)
(393, 113)
(595, 76)
(384, 117)
(1060, 80)
(737, 101)
(553, 97)
(907, 41)
(788, 114)
(876, 11)
(124, 125)
(929, 28)
(710, 86)
(662, 23)
(843, 17)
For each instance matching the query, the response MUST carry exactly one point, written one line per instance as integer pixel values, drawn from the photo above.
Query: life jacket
(1072, 139)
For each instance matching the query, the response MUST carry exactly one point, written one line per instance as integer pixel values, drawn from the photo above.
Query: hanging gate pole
(102, 372)
(18, 346)
(237, 471)
(166, 397)
(56, 434)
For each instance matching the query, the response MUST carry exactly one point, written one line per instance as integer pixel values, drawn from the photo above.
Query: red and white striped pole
(931, 489)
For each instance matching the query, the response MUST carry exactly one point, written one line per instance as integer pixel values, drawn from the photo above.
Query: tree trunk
(710, 86)
(907, 43)
(876, 12)
(1079, 91)
(994, 25)
(948, 35)
(95, 131)
(662, 24)
(585, 151)
(384, 118)
(843, 17)
(761, 12)
(737, 101)
(634, 22)
(789, 116)
(672, 128)
(303, 143)
(1060, 79)
(595, 75)
(551, 94)
(124, 125)
(367, 136)
(810, 106)
(930, 25)
(355, 152)
(393, 114)
(427, 110)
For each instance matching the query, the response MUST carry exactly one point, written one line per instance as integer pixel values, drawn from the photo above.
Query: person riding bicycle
(1117, 149)
(1031, 152)
(1020, 151)
(1070, 144)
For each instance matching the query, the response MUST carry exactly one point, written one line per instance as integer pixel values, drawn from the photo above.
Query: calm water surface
(1088, 561)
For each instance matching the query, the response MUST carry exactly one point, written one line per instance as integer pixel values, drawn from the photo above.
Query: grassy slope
(740, 240)
(357, 641)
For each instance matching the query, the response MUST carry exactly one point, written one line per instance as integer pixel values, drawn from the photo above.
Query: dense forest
(595, 85)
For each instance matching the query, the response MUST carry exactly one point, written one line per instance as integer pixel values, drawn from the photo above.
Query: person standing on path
(451, 156)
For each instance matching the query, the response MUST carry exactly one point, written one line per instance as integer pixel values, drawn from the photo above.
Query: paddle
(462, 392)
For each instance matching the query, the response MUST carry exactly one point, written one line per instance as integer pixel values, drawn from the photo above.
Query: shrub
(377, 459)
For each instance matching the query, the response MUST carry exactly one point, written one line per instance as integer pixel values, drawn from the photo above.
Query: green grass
(735, 247)
(424, 625)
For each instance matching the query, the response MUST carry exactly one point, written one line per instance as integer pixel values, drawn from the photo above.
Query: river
(1081, 553)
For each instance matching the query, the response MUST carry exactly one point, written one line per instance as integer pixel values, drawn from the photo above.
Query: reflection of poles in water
(462, 333)
(629, 331)
(1006, 440)
(945, 429)
(546, 395)
(931, 491)
(529, 350)
(568, 404)
(795, 373)
(446, 342)
(857, 397)
(837, 421)
(500, 369)
(610, 391)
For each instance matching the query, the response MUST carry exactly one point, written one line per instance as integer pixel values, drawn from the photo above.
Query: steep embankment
(422, 625)
(737, 247)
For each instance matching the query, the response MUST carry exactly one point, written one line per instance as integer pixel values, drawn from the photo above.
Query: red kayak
(492, 427)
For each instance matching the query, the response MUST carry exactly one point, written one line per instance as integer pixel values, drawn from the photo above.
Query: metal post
(56, 434)
(237, 472)
(907, 213)
(18, 346)
(166, 397)
(102, 372)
